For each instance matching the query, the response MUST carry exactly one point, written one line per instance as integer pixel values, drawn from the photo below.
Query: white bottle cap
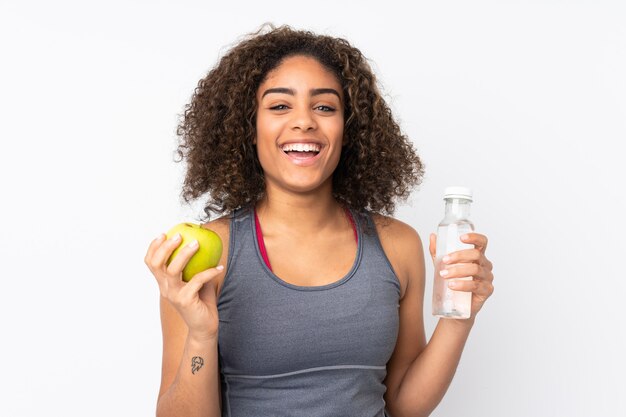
(458, 192)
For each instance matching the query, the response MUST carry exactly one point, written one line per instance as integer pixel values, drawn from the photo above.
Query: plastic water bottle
(446, 302)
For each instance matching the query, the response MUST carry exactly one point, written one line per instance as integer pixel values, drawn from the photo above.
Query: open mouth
(301, 151)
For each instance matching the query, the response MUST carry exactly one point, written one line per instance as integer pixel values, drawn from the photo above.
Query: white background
(524, 101)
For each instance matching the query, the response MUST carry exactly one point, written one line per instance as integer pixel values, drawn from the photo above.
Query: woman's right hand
(197, 306)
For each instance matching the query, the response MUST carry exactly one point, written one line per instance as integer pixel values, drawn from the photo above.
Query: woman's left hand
(468, 263)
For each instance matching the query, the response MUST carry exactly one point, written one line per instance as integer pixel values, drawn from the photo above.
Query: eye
(326, 109)
(279, 107)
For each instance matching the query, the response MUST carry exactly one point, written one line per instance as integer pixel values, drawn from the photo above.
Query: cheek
(336, 124)
(263, 130)
(338, 132)
(268, 128)
(265, 144)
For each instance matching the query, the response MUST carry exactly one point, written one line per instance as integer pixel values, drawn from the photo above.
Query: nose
(303, 119)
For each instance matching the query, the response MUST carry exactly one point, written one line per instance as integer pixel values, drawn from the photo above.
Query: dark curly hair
(378, 164)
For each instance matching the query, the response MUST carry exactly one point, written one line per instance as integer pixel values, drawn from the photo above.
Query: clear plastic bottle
(446, 302)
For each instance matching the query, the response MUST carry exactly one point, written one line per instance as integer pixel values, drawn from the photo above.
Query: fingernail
(220, 267)
(443, 272)
(446, 259)
(464, 237)
(452, 284)
(161, 236)
(176, 237)
(193, 244)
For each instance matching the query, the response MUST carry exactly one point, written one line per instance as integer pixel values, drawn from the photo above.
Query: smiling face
(299, 125)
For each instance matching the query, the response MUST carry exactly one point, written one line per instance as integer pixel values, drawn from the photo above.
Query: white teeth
(301, 147)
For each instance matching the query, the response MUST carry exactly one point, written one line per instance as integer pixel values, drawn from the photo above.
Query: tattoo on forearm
(196, 363)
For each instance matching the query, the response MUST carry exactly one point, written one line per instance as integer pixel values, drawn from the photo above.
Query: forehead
(301, 70)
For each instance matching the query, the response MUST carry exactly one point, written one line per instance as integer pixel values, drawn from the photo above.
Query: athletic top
(290, 350)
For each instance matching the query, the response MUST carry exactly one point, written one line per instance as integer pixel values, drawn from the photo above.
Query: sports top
(290, 350)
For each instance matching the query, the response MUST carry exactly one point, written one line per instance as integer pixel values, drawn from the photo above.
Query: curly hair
(218, 127)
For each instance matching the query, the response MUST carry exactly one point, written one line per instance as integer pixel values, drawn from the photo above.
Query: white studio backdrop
(524, 101)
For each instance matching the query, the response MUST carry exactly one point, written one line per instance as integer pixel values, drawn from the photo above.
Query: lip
(315, 141)
(302, 162)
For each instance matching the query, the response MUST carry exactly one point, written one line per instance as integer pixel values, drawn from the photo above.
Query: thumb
(196, 283)
(433, 245)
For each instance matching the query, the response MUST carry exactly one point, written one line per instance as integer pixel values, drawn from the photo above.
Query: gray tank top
(310, 351)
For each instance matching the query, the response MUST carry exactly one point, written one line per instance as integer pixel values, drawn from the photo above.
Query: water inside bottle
(446, 302)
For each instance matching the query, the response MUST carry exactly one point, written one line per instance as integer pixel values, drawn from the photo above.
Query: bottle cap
(458, 192)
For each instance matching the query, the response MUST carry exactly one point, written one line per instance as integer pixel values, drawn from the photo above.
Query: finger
(196, 282)
(465, 255)
(480, 288)
(486, 263)
(154, 245)
(476, 239)
(463, 286)
(433, 245)
(164, 251)
(463, 271)
(181, 259)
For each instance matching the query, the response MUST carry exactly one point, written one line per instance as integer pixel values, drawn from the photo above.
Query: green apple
(208, 253)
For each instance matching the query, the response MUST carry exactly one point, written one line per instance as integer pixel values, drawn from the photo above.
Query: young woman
(317, 307)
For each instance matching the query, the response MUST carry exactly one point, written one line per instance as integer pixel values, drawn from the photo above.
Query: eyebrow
(291, 92)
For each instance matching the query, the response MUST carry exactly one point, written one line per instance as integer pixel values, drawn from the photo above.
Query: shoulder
(387, 225)
(402, 246)
(221, 226)
(399, 237)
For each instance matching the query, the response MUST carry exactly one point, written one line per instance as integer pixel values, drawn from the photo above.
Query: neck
(282, 211)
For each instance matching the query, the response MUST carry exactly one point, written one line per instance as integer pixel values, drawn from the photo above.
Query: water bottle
(446, 302)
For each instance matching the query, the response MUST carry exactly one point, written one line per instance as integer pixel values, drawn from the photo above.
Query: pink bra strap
(356, 236)
(259, 237)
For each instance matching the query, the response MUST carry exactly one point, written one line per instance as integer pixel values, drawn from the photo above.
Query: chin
(307, 186)
(304, 188)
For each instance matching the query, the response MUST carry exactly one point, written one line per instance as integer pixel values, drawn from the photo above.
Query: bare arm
(420, 373)
(190, 375)
(429, 376)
